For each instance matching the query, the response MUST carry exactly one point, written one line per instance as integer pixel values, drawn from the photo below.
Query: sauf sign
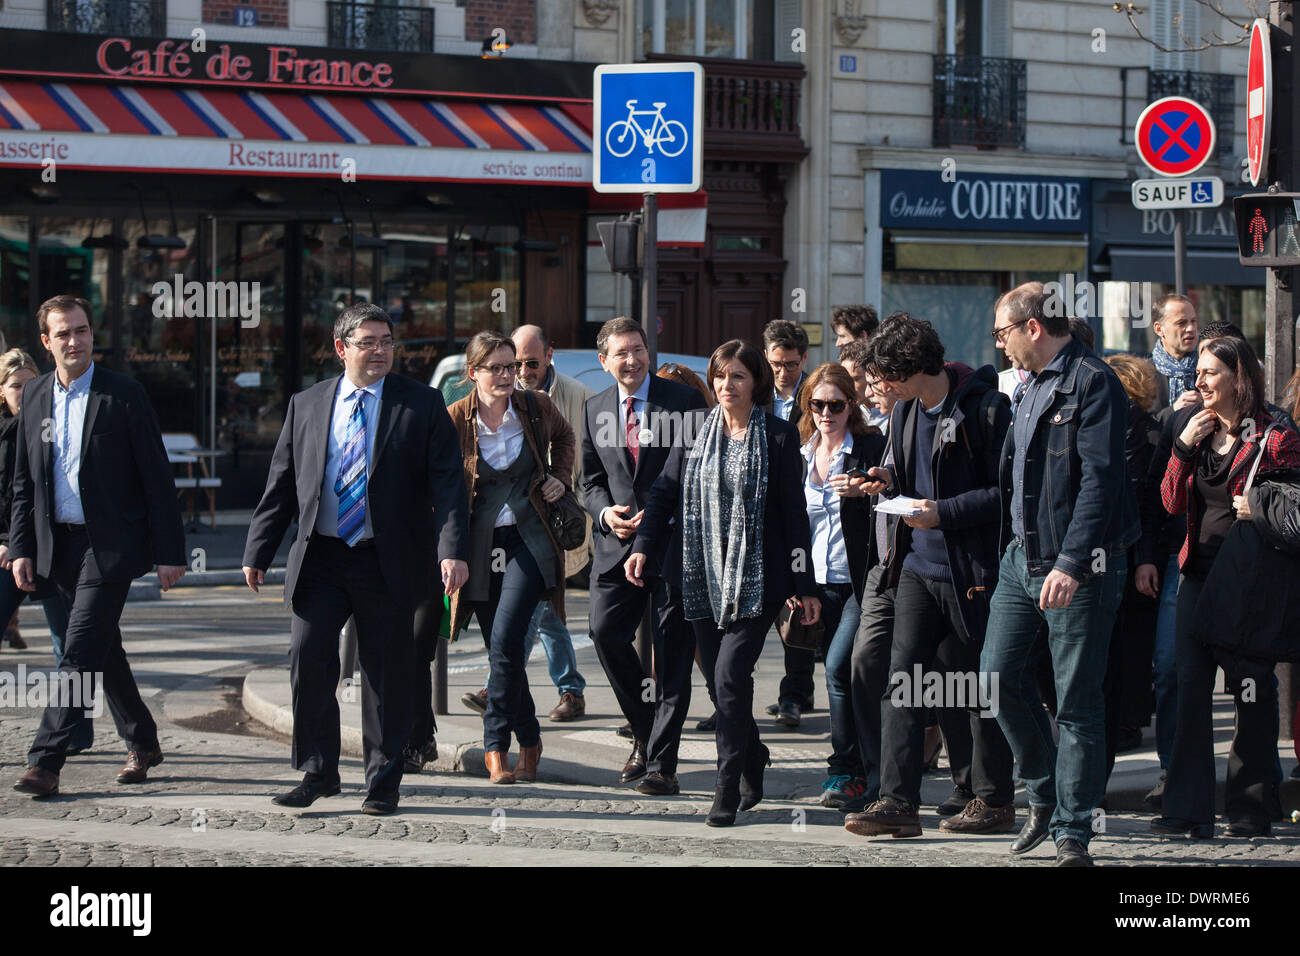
(935, 200)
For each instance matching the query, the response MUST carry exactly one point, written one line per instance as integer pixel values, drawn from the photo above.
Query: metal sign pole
(1180, 251)
(650, 322)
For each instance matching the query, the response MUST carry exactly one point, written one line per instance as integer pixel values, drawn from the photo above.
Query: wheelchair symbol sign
(1200, 194)
(647, 127)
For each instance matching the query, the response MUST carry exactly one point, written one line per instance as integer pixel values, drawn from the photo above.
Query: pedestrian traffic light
(1268, 229)
(621, 239)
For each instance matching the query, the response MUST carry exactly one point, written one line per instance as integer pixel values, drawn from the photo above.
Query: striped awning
(165, 129)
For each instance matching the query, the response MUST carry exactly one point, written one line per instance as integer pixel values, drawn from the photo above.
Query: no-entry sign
(1174, 136)
(1259, 101)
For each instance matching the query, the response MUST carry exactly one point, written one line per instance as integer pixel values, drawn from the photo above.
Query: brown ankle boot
(526, 766)
(497, 766)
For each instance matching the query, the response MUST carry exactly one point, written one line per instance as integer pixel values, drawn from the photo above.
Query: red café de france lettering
(117, 58)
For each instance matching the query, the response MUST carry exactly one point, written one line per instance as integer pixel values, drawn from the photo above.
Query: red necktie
(633, 430)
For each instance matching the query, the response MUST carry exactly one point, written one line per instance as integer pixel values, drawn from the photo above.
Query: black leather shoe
(659, 785)
(1172, 826)
(956, 802)
(773, 709)
(1034, 831)
(626, 732)
(709, 723)
(380, 805)
(306, 793)
(1246, 829)
(788, 713)
(723, 811)
(751, 778)
(634, 769)
(1070, 852)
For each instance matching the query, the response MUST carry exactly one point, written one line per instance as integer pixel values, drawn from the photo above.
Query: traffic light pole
(650, 322)
(1180, 251)
(1279, 296)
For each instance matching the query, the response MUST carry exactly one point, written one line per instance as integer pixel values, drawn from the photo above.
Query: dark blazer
(786, 532)
(607, 477)
(133, 518)
(418, 507)
(855, 513)
(795, 412)
(8, 458)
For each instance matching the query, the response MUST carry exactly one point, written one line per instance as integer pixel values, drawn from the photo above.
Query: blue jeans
(1073, 778)
(840, 613)
(560, 659)
(1162, 664)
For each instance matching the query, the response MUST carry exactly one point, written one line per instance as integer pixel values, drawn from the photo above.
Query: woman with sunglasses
(507, 436)
(838, 443)
(736, 492)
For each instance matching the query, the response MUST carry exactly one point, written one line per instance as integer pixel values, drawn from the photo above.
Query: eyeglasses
(497, 370)
(528, 363)
(835, 406)
(786, 366)
(371, 345)
(1000, 335)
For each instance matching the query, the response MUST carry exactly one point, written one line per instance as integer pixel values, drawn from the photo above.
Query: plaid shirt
(1282, 451)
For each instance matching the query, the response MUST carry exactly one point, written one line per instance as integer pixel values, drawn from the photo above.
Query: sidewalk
(589, 752)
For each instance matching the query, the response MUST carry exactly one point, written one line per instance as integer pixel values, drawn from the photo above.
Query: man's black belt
(70, 528)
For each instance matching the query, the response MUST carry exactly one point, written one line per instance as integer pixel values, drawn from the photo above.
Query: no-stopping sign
(1174, 136)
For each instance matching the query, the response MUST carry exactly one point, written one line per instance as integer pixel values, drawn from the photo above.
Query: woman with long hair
(507, 436)
(1216, 449)
(735, 486)
(836, 442)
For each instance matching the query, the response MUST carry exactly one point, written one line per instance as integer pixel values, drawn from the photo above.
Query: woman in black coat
(735, 486)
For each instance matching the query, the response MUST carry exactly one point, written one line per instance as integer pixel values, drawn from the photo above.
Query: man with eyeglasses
(1067, 523)
(627, 432)
(367, 463)
(945, 438)
(533, 354)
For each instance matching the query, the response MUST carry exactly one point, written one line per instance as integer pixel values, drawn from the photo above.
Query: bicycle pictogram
(668, 135)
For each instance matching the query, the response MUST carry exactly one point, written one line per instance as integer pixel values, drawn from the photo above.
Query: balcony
(1215, 91)
(979, 101)
(132, 18)
(385, 27)
(751, 108)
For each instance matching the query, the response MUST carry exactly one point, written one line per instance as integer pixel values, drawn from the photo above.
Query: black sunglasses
(835, 406)
(530, 363)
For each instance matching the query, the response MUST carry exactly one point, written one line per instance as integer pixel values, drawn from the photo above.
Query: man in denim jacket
(1066, 523)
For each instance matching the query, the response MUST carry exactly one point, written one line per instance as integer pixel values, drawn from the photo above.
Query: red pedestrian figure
(1258, 227)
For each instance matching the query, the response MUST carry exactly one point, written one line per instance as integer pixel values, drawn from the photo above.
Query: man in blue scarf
(1174, 319)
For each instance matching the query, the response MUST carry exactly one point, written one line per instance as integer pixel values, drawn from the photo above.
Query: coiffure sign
(988, 201)
(178, 60)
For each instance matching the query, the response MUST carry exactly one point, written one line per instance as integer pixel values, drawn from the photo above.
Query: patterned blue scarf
(1180, 372)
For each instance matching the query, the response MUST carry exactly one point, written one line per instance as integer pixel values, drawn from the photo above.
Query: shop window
(70, 267)
(958, 304)
(15, 281)
(740, 243)
(739, 29)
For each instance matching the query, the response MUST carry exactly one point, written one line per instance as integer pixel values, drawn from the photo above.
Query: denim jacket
(1077, 505)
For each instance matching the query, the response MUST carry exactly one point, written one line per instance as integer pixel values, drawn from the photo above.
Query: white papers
(906, 507)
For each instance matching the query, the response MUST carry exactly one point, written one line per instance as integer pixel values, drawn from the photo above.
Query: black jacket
(607, 475)
(964, 462)
(855, 513)
(8, 455)
(786, 534)
(1249, 604)
(128, 494)
(417, 503)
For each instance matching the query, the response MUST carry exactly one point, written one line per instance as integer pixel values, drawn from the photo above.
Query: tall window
(975, 27)
(740, 29)
(1175, 24)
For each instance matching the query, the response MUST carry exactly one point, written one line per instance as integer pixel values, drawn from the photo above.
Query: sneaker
(1154, 800)
(839, 789)
(570, 707)
(476, 702)
(898, 819)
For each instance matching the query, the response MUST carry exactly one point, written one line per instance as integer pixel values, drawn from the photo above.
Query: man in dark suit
(627, 432)
(94, 506)
(367, 463)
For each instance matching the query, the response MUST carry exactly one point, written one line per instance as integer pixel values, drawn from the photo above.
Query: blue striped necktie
(350, 485)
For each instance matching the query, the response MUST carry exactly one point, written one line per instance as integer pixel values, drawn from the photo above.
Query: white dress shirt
(327, 518)
(499, 449)
(69, 411)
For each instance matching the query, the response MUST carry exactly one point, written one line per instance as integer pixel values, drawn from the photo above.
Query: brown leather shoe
(39, 782)
(526, 765)
(137, 766)
(570, 707)
(497, 767)
(979, 817)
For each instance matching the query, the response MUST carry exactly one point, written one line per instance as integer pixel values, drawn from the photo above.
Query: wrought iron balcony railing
(374, 26)
(979, 101)
(1215, 91)
(133, 18)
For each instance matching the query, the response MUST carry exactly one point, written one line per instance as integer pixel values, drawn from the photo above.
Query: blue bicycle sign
(668, 135)
(647, 127)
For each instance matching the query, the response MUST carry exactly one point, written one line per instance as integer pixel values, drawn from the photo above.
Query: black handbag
(794, 633)
(565, 519)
